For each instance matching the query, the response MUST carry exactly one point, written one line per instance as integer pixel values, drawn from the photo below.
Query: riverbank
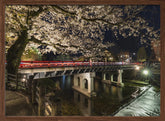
(18, 102)
(147, 104)
(135, 83)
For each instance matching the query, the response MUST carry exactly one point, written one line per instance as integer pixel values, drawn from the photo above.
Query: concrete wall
(84, 77)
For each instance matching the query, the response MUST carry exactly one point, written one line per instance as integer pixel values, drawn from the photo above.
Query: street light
(145, 72)
(137, 68)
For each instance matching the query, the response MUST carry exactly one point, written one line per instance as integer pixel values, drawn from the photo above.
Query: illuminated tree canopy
(71, 29)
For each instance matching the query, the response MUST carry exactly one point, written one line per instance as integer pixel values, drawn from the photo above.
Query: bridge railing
(52, 64)
(15, 82)
(42, 64)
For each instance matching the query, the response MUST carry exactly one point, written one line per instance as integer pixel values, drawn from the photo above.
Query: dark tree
(141, 54)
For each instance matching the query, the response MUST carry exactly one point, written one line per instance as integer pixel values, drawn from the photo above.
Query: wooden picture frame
(3, 3)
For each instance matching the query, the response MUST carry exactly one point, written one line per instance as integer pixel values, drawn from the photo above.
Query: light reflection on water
(108, 98)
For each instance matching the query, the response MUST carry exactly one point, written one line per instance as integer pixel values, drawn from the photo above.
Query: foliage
(65, 29)
(141, 54)
(71, 29)
(31, 54)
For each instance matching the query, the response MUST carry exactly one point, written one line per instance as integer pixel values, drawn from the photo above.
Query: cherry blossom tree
(70, 29)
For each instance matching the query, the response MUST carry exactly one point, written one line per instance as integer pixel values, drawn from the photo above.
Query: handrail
(50, 61)
(40, 64)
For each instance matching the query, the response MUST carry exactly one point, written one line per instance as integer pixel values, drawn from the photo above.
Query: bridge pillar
(84, 83)
(119, 78)
(104, 76)
(91, 83)
(105, 79)
(112, 78)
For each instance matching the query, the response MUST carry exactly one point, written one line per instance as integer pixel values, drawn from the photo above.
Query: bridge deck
(46, 69)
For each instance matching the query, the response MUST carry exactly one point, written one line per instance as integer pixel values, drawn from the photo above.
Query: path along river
(146, 105)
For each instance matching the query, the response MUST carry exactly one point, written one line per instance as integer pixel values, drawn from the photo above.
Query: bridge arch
(85, 83)
(78, 80)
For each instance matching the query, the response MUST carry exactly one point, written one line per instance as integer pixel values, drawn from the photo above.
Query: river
(108, 99)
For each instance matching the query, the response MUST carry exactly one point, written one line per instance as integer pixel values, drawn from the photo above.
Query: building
(124, 56)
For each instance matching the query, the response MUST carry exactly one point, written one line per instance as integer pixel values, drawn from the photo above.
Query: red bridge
(32, 70)
(43, 64)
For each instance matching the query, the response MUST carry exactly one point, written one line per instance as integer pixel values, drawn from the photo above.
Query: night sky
(132, 44)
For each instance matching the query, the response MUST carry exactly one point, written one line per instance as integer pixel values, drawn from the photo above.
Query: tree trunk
(15, 52)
